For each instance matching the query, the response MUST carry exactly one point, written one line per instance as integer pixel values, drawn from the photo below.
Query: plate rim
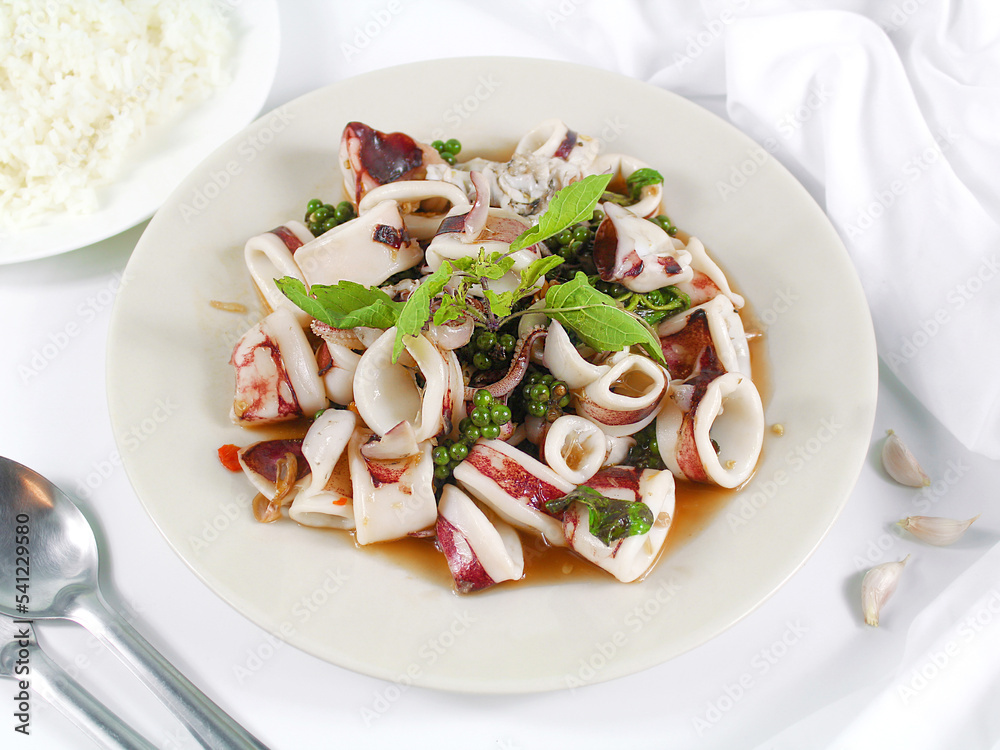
(868, 400)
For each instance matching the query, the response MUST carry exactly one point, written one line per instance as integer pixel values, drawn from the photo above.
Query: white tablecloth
(802, 671)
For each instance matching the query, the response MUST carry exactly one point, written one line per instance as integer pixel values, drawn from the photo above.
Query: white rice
(81, 82)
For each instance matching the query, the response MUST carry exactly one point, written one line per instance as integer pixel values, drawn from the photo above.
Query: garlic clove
(877, 587)
(901, 464)
(934, 530)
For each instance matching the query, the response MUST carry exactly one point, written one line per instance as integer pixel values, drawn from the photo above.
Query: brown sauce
(695, 507)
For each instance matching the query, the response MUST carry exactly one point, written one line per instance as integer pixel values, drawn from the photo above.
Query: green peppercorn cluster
(645, 454)
(665, 224)
(542, 396)
(322, 217)
(577, 241)
(486, 419)
(448, 150)
(487, 351)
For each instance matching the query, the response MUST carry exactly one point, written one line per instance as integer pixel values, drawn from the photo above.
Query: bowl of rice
(106, 105)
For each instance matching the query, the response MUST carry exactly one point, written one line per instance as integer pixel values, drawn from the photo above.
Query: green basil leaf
(610, 519)
(417, 308)
(535, 271)
(342, 305)
(450, 309)
(493, 267)
(597, 319)
(641, 178)
(500, 304)
(572, 204)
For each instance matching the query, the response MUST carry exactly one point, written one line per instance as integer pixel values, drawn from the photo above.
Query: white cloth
(885, 118)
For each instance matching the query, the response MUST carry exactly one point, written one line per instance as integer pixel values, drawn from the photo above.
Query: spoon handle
(80, 707)
(213, 726)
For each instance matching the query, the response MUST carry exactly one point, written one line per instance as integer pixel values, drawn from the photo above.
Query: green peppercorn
(458, 451)
(482, 398)
(481, 362)
(440, 456)
(480, 416)
(507, 343)
(500, 414)
(491, 431)
(485, 341)
(540, 393)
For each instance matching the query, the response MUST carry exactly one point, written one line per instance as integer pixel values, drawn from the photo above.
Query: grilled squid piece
(423, 203)
(337, 365)
(399, 442)
(370, 158)
(276, 373)
(515, 486)
(328, 499)
(547, 158)
(464, 232)
(575, 448)
(564, 361)
(637, 253)
(387, 393)
(622, 167)
(392, 497)
(481, 551)
(714, 324)
(626, 559)
(707, 280)
(367, 250)
(270, 256)
(260, 463)
(552, 139)
(712, 429)
(625, 398)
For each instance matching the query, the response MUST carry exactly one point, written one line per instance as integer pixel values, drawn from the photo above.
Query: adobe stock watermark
(219, 524)
(796, 459)
(468, 105)
(900, 14)
(955, 299)
(744, 171)
(940, 659)
(710, 31)
(912, 170)
(565, 9)
(248, 149)
(428, 653)
(58, 341)
(302, 611)
(364, 34)
(136, 434)
(782, 302)
(760, 664)
(604, 651)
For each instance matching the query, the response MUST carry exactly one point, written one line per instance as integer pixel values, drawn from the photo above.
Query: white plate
(170, 388)
(168, 153)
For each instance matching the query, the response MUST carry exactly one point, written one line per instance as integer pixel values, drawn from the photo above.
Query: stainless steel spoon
(62, 583)
(22, 659)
